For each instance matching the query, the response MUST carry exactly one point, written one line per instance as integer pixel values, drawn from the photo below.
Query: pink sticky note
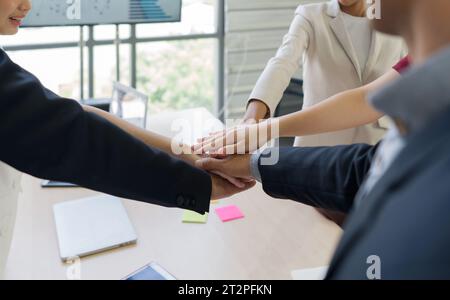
(229, 213)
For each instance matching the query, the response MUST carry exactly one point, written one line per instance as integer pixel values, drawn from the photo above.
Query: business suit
(319, 41)
(398, 199)
(50, 137)
(404, 220)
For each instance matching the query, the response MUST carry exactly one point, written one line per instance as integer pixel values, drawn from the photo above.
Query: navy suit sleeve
(54, 138)
(325, 177)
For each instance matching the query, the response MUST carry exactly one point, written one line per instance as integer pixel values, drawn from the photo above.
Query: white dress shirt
(360, 32)
(388, 151)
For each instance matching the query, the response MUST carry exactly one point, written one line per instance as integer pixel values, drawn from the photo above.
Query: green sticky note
(193, 217)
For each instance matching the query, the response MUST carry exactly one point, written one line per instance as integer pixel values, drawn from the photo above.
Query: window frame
(91, 42)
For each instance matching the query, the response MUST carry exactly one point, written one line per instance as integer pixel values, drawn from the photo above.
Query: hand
(239, 140)
(192, 159)
(256, 110)
(222, 188)
(239, 183)
(234, 166)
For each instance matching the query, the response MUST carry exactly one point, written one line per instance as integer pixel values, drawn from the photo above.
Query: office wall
(254, 30)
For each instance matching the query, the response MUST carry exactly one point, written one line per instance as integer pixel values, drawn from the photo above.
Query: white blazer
(319, 41)
(9, 193)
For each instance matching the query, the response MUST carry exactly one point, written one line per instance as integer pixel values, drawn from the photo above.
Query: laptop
(129, 104)
(92, 225)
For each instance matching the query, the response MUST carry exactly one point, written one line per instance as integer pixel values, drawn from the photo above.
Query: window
(62, 75)
(105, 68)
(177, 74)
(174, 63)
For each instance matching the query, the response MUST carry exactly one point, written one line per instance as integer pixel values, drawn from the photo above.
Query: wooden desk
(275, 238)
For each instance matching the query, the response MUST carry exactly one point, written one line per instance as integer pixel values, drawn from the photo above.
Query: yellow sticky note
(215, 202)
(193, 217)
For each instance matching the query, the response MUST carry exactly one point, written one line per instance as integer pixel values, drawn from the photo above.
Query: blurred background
(211, 58)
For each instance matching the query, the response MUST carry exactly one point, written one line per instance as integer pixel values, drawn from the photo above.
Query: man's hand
(234, 166)
(222, 188)
(192, 159)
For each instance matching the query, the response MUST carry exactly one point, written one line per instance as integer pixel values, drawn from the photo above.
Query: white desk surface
(275, 238)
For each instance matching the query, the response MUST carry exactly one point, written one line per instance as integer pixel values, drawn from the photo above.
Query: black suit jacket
(50, 137)
(404, 221)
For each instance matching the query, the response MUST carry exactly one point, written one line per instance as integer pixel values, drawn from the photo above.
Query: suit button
(180, 201)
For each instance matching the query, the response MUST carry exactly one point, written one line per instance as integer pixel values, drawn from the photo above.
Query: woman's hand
(242, 139)
(163, 143)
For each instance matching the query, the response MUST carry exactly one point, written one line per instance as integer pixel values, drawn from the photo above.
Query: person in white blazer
(339, 51)
(342, 58)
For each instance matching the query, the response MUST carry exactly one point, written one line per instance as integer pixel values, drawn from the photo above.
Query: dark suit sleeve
(325, 177)
(53, 138)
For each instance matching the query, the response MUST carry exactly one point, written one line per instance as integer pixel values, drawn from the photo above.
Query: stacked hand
(237, 167)
(223, 184)
(225, 154)
(222, 188)
(231, 175)
(242, 139)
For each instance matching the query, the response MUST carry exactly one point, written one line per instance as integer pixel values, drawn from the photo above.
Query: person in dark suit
(53, 138)
(49, 137)
(397, 193)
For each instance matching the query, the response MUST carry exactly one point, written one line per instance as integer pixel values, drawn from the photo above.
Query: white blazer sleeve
(280, 69)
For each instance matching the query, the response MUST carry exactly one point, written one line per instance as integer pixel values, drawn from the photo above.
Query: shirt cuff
(254, 166)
